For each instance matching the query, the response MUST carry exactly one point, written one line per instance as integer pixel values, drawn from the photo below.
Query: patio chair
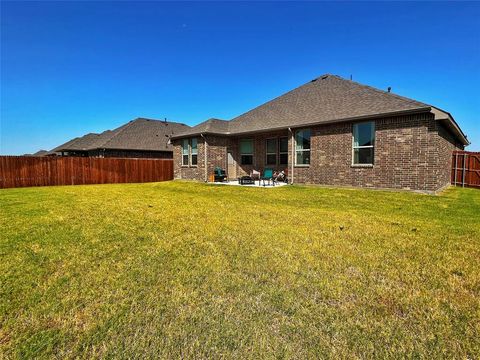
(267, 175)
(281, 176)
(219, 175)
(255, 175)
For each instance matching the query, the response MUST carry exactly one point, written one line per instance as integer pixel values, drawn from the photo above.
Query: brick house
(329, 131)
(139, 138)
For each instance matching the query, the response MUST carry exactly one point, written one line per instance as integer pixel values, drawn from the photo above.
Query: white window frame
(302, 150)
(271, 153)
(365, 146)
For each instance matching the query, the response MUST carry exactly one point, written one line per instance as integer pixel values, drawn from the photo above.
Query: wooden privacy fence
(20, 171)
(466, 168)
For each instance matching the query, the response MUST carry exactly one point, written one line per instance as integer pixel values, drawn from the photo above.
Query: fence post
(455, 169)
(463, 172)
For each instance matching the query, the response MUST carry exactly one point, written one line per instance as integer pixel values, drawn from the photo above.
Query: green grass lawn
(182, 269)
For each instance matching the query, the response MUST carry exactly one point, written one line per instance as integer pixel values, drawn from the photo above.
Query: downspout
(205, 156)
(293, 153)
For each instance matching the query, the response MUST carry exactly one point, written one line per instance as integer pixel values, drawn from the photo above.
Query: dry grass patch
(183, 269)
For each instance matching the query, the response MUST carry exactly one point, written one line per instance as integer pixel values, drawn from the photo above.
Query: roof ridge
(75, 140)
(382, 91)
(279, 96)
(159, 120)
(325, 99)
(120, 130)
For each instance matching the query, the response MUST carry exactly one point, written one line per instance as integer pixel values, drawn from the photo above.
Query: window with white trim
(194, 151)
(271, 147)
(302, 147)
(363, 143)
(283, 150)
(246, 151)
(185, 152)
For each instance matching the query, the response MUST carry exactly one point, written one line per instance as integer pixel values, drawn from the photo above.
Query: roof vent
(389, 89)
(324, 77)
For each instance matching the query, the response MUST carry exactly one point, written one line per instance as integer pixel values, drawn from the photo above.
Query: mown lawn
(189, 270)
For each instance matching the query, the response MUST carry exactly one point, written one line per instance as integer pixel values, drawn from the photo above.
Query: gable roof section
(145, 134)
(40, 153)
(447, 119)
(210, 126)
(138, 134)
(326, 99)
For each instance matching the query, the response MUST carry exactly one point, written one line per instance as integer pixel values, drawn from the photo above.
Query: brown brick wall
(216, 156)
(188, 172)
(401, 156)
(138, 154)
(217, 152)
(411, 152)
(445, 145)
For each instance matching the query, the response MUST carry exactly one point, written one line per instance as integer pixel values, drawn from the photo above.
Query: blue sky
(69, 68)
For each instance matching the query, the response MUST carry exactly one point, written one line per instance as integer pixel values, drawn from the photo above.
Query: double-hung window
(283, 150)
(363, 143)
(185, 152)
(189, 152)
(246, 151)
(271, 145)
(302, 147)
(193, 151)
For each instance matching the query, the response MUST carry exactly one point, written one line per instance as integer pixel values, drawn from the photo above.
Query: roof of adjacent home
(41, 153)
(326, 99)
(139, 134)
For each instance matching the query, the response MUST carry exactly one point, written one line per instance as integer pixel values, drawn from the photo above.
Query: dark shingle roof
(328, 98)
(145, 134)
(324, 99)
(138, 134)
(210, 126)
(41, 153)
(86, 142)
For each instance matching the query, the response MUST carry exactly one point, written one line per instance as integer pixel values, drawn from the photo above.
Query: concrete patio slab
(256, 184)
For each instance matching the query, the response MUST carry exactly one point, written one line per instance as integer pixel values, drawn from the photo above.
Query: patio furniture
(255, 175)
(246, 180)
(280, 176)
(267, 175)
(219, 175)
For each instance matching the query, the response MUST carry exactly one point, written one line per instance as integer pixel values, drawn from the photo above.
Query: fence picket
(467, 173)
(20, 171)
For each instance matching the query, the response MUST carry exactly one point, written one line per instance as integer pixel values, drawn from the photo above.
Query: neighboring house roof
(138, 134)
(40, 153)
(326, 99)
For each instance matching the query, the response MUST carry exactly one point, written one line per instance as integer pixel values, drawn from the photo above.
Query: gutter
(205, 157)
(452, 124)
(293, 153)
